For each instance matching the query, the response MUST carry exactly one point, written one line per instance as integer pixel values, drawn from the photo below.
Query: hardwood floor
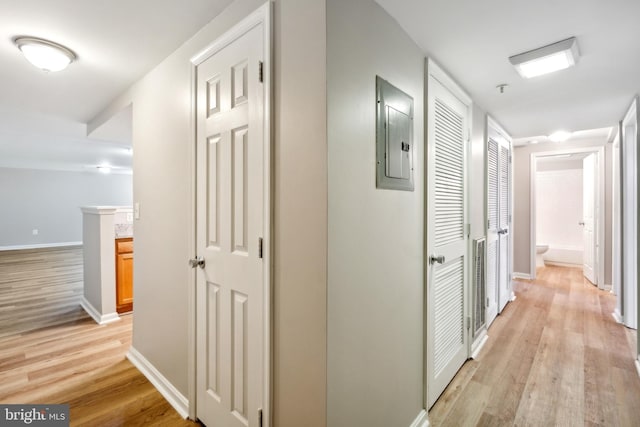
(73, 360)
(555, 357)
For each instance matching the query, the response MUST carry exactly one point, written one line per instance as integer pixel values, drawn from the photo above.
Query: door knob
(502, 231)
(581, 223)
(434, 258)
(196, 262)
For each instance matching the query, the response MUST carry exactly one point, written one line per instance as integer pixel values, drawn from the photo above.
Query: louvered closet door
(446, 238)
(504, 203)
(492, 231)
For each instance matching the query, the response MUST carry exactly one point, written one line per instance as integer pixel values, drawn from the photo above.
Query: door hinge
(259, 417)
(261, 71)
(259, 247)
(468, 322)
(468, 230)
(488, 302)
(488, 224)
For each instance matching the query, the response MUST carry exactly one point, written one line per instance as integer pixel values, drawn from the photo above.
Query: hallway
(555, 357)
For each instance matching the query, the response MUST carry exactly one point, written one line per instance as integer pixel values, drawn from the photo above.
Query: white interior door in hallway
(630, 211)
(498, 219)
(589, 215)
(447, 229)
(232, 219)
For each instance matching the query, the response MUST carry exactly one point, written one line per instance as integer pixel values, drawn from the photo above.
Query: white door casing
(630, 202)
(232, 342)
(447, 266)
(589, 210)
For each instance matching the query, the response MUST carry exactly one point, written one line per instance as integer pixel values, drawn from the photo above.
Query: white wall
(558, 212)
(50, 201)
(163, 174)
(375, 288)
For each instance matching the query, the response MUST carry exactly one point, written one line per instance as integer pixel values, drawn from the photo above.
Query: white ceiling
(43, 116)
(473, 40)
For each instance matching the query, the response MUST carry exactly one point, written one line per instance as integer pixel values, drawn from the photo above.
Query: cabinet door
(124, 282)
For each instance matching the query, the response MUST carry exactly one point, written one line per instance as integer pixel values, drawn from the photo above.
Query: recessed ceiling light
(559, 136)
(44, 54)
(547, 59)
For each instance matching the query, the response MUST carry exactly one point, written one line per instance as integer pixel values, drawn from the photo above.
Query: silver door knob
(196, 262)
(434, 258)
(581, 223)
(502, 231)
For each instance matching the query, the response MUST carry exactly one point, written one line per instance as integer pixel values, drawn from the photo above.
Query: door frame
(632, 113)
(600, 220)
(261, 16)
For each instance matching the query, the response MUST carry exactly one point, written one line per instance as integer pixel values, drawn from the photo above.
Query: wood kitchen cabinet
(124, 275)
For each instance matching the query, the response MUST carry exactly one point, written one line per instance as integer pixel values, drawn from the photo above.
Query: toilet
(540, 250)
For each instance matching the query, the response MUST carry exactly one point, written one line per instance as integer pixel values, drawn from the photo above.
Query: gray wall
(163, 174)
(50, 202)
(522, 199)
(375, 289)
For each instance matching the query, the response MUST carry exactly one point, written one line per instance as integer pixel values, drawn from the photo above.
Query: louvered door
(447, 237)
(492, 231)
(504, 203)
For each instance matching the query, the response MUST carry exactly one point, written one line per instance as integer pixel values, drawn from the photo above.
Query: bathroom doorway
(568, 211)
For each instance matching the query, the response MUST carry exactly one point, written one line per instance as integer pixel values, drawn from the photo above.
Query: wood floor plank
(557, 358)
(51, 351)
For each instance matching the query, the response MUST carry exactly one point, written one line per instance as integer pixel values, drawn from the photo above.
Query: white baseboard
(638, 365)
(39, 246)
(422, 420)
(618, 318)
(517, 275)
(179, 402)
(513, 297)
(608, 287)
(483, 341)
(101, 319)
(561, 264)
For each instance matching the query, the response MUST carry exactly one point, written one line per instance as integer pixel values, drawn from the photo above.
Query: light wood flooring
(555, 357)
(72, 360)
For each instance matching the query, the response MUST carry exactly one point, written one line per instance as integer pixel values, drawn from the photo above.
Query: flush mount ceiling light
(547, 59)
(44, 54)
(560, 136)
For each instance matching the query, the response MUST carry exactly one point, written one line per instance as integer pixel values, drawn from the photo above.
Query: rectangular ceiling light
(547, 59)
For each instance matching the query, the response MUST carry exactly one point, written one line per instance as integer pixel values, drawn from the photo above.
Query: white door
(447, 235)
(630, 216)
(492, 230)
(498, 219)
(230, 223)
(589, 183)
(504, 232)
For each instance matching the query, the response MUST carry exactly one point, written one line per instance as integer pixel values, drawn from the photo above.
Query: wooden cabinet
(124, 275)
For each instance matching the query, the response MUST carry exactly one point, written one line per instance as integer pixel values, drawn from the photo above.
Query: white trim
(483, 341)
(100, 210)
(100, 319)
(617, 317)
(448, 82)
(517, 275)
(261, 16)
(638, 365)
(561, 264)
(39, 246)
(422, 420)
(160, 382)
(513, 296)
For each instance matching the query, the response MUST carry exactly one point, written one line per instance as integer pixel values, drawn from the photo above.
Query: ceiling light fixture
(104, 169)
(44, 54)
(560, 136)
(547, 59)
